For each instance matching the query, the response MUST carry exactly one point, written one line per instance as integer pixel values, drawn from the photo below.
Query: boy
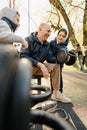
(9, 23)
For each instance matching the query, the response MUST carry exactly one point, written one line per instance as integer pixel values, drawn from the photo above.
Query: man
(39, 51)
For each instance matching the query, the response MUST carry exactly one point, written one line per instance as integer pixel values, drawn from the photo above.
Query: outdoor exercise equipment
(63, 54)
(43, 117)
(21, 104)
(51, 107)
(8, 64)
(15, 98)
(15, 76)
(72, 59)
(42, 93)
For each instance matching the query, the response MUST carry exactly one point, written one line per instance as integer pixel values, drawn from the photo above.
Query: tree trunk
(58, 5)
(12, 3)
(85, 25)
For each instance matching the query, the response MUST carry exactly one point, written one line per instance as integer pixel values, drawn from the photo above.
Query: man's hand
(44, 70)
(24, 44)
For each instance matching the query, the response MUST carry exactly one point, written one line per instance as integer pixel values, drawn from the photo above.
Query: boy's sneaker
(60, 97)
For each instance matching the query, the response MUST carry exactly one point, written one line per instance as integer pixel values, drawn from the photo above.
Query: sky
(37, 10)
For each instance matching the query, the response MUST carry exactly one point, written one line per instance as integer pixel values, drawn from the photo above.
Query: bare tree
(58, 5)
(11, 3)
(85, 25)
(54, 21)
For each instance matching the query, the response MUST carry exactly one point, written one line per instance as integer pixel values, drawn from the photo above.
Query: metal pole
(28, 17)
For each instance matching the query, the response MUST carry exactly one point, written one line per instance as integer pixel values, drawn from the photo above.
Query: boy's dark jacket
(38, 52)
(56, 47)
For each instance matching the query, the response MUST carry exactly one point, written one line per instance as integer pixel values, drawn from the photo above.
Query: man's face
(61, 36)
(45, 32)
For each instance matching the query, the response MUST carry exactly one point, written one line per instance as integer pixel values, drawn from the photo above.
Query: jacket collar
(12, 25)
(34, 35)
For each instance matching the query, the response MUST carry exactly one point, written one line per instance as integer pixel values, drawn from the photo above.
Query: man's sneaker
(60, 97)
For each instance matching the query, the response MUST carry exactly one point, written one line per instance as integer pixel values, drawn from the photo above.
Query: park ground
(75, 87)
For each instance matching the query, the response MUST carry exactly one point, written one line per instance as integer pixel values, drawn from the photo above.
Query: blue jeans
(81, 62)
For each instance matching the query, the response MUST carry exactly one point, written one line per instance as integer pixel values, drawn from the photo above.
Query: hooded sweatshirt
(7, 26)
(57, 46)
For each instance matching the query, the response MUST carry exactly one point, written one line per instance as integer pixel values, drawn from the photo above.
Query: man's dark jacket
(37, 51)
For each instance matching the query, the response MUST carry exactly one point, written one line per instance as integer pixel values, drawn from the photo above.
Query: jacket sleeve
(6, 36)
(27, 53)
(51, 58)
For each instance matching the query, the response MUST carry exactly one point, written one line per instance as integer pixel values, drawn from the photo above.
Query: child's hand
(68, 58)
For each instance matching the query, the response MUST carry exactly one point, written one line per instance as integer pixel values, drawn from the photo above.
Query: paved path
(75, 87)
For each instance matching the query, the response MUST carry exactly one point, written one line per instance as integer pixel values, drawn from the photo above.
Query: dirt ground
(75, 87)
